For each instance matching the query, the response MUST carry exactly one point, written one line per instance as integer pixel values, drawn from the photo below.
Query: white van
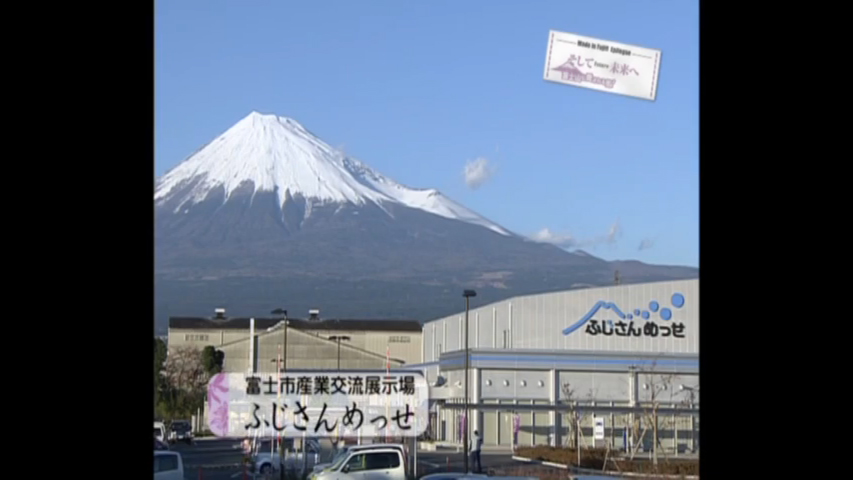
(383, 463)
(160, 431)
(168, 465)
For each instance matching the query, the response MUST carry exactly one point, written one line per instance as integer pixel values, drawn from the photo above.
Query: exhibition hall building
(598, 366)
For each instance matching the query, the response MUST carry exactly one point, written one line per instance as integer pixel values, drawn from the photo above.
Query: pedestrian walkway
(440, 446)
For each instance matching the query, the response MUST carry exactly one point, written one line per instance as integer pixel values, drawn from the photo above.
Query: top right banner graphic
(602, 65)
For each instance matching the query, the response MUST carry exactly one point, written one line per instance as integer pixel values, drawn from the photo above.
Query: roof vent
(314, 315)
(220, 313)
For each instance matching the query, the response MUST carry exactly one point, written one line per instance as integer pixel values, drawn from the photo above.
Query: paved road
(429, 462)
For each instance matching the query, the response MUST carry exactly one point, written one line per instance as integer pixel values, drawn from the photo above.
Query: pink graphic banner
(319, 404)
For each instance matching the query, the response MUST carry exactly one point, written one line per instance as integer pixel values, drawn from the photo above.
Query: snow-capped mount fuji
(268, 153)
(269, 213)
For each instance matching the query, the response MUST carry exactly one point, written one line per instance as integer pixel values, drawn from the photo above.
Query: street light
(467, 294)
(339, 339)
(692, 390)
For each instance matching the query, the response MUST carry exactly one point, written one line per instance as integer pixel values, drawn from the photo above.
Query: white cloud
(567, 240)
(614, 233)
(561, 240)
(646, 244)
(477, 172)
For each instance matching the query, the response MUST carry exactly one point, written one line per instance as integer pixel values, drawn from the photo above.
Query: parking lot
(219, 459)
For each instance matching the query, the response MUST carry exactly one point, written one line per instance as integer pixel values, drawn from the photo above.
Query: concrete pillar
(675, 432)
(612, 428)
(633, 399)
(251, 346)
(633, 388)
(692, 433)
(554, 416)
(494, 327)
(509, 344)
(476, 420)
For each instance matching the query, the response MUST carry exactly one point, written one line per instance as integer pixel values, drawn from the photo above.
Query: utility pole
(281, 453)
(339, 339)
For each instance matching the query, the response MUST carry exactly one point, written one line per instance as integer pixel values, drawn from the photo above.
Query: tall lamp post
(467, 294)
(339, 339)
(283, 368)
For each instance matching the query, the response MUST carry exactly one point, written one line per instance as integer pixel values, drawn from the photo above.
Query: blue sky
(417, 89)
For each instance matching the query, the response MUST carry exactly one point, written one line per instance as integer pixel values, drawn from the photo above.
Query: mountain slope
(268, 213)
(266, 153)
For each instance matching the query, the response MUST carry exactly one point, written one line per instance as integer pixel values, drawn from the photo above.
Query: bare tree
(575, 416)
(689, 399)
(657, 385)
(184, 370)
(572, 416)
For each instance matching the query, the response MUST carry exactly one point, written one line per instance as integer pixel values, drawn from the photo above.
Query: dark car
(181, 430)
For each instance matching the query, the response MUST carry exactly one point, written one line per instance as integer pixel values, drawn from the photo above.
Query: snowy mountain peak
(277, 154)
(262, 120)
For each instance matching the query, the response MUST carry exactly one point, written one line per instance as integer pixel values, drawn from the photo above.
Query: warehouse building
(604, 359)
(312, 343)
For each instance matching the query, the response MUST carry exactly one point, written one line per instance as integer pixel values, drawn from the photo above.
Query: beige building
(313, 343)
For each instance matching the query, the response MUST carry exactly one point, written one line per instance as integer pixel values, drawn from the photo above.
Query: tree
(186, 381)
(212, 359)
(689, 400)
(185, 370)
(159, 361)
(573, 414)
(655, 384)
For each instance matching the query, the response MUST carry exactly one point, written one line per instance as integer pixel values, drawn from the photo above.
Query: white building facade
(544, 367)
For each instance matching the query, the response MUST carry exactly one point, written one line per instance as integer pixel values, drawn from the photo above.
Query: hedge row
(594, 458)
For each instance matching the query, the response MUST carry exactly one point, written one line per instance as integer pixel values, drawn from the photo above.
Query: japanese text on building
(628, 329)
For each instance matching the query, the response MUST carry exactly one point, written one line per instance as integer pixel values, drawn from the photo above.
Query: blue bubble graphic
(654, 306)
(678, 300)
(665, 314)
(637, 312)
(645, 315)
(629, 316)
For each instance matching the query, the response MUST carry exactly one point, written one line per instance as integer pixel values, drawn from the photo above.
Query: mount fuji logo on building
(639, 323)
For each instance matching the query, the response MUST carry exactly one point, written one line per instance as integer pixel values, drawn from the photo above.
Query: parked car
(181, 431)
(345, 450)
(168, 466)
(160, 431)
(368, 463)
(158, 445)
(453, 476)
(267, 459)
(471, 476)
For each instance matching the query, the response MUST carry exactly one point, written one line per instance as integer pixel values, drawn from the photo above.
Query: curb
(210, 449)
(587, 471)
(218, 466)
